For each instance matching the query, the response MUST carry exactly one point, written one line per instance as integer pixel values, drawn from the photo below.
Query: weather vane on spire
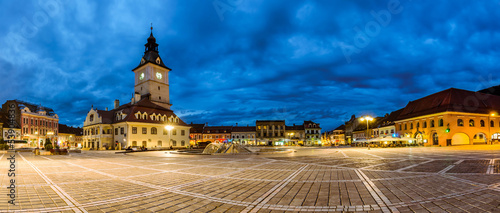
(151, 27)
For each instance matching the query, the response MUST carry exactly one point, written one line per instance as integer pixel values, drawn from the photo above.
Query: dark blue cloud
(264, 60)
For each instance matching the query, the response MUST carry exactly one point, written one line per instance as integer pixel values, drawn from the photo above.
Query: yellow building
(451, 117)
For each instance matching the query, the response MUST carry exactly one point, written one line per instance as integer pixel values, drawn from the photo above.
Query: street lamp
(290, 135)
(368, 119)
(168, 128)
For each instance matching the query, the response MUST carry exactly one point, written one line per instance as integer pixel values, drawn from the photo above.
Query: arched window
(91, 118)
(432, 123)
(154, 131)
(411, 125)
(418, 125)
(424, 125)
(440, 122)
(400, 127)
(406, 126)
(471, 123)
(460, 122)
(492, 124)
(481, 122)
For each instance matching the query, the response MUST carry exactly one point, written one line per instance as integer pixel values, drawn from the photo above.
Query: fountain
(225, 148)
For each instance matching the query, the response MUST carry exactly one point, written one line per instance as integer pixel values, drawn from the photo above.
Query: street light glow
(368, 118)
(169, 127)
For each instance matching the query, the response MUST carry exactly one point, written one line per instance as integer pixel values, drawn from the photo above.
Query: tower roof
(151, 54)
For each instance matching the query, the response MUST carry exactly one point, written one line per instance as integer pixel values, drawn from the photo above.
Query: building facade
(243, 135)
(270, 132)
(451, 117)
(147, 120)
(34, 123)
(217, 134)
(196, 133)
(313, 133)
(295, 135)
(70, 136)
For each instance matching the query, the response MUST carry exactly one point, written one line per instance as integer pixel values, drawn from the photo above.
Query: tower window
(158, 87)
(160, 97)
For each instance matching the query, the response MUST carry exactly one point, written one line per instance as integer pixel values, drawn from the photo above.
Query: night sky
(235, 61)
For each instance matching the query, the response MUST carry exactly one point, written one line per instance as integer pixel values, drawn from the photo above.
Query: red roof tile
(451, 100)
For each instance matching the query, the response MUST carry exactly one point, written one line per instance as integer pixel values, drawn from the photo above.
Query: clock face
(141, 76)
(158, 75)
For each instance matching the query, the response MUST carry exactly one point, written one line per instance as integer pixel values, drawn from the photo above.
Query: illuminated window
(440, 123)
(481, 123)
(432, 123)
(471, 123)
(134, 130)
(154, 131)
(460, 122)
(424, 125)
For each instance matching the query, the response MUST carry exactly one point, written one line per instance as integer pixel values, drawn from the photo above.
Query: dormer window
(158, 60)
(143, 61)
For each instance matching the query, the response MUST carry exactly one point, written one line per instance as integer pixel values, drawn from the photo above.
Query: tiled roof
(452, 100)
(70, 130)
(144, 105)
(306, 125)
(389, 120)
(196, 128)
(217, 129)
(244, 129)
(295, 127)
(341, 127)
(34, 107)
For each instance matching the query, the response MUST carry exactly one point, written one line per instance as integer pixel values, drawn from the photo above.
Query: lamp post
(290, 135)
(168, 128)
(489, 128)
(368, 119)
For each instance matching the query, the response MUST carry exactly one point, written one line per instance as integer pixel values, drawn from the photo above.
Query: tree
(48, 144)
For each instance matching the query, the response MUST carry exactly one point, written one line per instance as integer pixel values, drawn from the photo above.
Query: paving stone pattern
(435, 179)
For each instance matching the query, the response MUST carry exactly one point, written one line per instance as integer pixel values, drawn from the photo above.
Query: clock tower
(151, 76)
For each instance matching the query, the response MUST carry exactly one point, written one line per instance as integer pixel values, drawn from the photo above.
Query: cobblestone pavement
(437, 179)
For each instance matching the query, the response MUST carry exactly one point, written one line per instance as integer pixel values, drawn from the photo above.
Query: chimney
(137, 97)
(106, 109)
(117, 103)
